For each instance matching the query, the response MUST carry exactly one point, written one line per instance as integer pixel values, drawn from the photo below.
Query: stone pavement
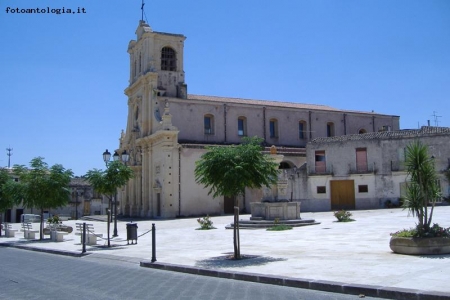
(349, 257)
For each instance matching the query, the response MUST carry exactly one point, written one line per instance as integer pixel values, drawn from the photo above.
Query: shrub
(278, 227)
(205, 223)
(54, 220)
(418, 231)
(343, 216)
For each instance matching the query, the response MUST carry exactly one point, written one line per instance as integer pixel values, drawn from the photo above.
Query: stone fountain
(275, 205)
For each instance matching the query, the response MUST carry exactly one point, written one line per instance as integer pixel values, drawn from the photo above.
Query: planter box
(420, 246)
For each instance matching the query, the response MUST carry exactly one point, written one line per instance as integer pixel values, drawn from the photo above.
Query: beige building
(167, 130)
(365, 171)
(83, 201)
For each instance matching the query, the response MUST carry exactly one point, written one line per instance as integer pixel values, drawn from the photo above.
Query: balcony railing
(397, 166)
(362, 169)
(321, 169)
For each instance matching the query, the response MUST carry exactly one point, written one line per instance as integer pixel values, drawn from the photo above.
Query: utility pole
(9, 156)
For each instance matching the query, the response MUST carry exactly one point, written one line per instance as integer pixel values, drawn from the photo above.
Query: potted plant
(53, 223)
(421, 195)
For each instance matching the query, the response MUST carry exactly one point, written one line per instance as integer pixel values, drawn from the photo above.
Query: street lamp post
(106, 157)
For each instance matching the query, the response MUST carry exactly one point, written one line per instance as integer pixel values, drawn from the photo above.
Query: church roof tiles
(384, 135)
(268, 103)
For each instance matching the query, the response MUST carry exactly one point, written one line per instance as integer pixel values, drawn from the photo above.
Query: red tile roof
(271, 103)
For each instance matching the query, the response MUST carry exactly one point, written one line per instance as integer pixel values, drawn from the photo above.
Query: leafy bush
(343, 216)
(54, 220)
(278, 227)
(205, 223)
(418, 231)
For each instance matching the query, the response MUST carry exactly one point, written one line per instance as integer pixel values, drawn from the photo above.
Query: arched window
(168, 59)
(273, 128)
(362, 130)
(302, 130)
(330, 129)
(286, 165)
(242, 126)
(208, 124)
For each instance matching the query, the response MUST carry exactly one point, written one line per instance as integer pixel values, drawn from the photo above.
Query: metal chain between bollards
(101, 236)
(144, 233)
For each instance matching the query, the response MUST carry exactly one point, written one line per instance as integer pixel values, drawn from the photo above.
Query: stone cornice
(141, 81)
(159, 136)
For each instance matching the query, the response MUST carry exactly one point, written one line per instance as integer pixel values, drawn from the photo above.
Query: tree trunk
(41, 225)
(237, 246)
(110, 209)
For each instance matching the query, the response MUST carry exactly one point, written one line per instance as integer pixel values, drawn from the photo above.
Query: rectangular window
(330, 129)
(241, 129)
(301, 130)
(363, 189)
(320, 162)
(321, 190)
(361, 160)
(208, 125)
(273, 128)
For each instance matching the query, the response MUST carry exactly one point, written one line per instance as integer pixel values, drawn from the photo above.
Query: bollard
(83, 238)
(153, 243)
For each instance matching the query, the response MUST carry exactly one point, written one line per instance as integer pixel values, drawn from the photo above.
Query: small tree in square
(41, 186)
(423, 189)
(228, 170)
(106, 182)
(6, 196)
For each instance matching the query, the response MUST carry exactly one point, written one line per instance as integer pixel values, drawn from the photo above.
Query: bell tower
(156, 77)
(160, 53)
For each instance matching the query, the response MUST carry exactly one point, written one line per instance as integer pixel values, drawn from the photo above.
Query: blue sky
(62, 77)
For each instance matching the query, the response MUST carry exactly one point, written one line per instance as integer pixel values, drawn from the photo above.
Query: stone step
(253, 224)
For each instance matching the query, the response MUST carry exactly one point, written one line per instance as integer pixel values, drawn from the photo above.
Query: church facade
(168, 129)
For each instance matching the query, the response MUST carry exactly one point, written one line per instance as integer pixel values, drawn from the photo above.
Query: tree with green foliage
(228, 170)
(6, 186)
(447, 176)
(422, 189)
(42, 187)
(106, 182)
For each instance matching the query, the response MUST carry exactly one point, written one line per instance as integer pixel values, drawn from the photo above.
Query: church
(168, 129)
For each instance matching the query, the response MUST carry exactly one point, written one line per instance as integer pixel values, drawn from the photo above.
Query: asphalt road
(35, 275)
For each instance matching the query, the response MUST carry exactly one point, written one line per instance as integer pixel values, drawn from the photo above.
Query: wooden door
(228, 205)
(8, 216)
(342, 194)
(19, 213)
(87, 208)
(158, 205)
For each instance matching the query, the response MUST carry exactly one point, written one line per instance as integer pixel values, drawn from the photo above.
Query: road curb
(51, 251)
(319, 285)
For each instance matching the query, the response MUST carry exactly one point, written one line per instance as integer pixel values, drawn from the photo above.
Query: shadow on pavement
(227, 261)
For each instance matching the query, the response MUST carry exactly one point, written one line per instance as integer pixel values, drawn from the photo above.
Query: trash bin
(131, 232)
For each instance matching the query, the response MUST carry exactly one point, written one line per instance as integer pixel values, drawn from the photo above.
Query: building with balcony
(365, 171)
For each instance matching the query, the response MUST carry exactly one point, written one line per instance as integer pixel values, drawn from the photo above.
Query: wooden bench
(9, 231)
(91, 237)
(28, 232)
